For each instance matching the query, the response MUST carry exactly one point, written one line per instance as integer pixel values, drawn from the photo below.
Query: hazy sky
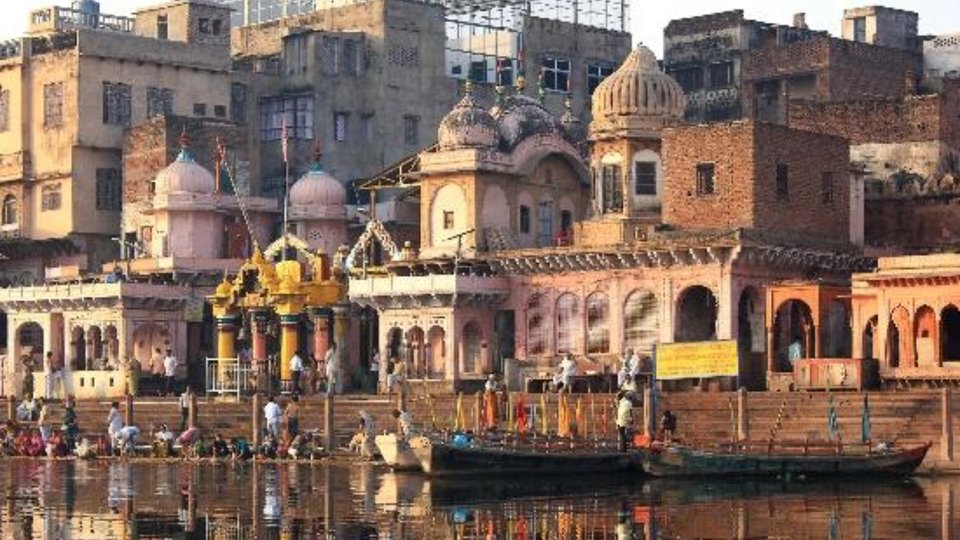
(647, 20)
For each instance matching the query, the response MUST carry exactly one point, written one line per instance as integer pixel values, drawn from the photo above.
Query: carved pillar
(817, 342)
(227, 326)
(771, 355)
(321, 333)
(341, 336)
(289, 324)
(259, 336)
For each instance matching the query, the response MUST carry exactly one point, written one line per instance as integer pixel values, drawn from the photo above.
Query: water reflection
(285, 501)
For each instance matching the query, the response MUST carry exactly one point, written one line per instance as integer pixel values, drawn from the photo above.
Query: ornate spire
(184, 145)
(317, 164)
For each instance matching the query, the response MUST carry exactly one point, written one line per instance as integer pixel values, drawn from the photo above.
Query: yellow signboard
(697, 360)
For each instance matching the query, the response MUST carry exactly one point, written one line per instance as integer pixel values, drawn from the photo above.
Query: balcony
(441, 290)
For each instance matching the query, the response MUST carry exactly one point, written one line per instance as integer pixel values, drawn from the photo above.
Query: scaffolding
(485, 37)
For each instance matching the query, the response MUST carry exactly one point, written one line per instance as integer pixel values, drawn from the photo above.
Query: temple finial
(317, 164)
(184, 138)
(468, 87)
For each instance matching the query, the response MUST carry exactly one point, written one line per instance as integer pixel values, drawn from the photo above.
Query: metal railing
(229, 376)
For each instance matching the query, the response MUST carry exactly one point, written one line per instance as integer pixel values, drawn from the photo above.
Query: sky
(647, 18)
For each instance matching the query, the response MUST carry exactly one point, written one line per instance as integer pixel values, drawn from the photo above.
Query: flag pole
(286, 185)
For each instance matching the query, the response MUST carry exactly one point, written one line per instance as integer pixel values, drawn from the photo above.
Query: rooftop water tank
(86, 6)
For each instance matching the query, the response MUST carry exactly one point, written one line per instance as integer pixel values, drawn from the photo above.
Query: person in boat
(567, 370)
(405, 422)
(624, 419)
(220, 447)
(668, 426)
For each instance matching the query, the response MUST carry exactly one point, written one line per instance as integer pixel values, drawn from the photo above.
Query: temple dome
(637, 95)
(185, 175)
(521, 117)
(467, 126)
(318, 194)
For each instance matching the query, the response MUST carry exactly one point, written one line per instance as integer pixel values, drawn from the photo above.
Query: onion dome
(468, 125)
(185, 175)
(318, 195)
(637, 95)
(521, 117)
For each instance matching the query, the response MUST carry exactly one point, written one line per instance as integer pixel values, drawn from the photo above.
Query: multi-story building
(70, 90)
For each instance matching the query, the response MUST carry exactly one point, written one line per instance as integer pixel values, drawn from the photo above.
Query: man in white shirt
(273, 414)
(568, 368)
(114, 421)
(332, 363)
(296, 369)
(634, 364)
(169, 372)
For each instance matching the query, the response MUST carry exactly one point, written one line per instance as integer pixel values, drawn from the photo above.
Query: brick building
(749, 175)
(529, 251)
(823, 69)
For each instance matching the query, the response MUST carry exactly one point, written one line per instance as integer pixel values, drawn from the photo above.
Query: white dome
(318, 195)
(185, 175)
(638, 95)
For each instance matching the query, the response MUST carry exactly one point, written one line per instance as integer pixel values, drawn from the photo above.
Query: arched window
(535, 326)
(640, 323)
(9, 210)
(566, 322)
(598, 327)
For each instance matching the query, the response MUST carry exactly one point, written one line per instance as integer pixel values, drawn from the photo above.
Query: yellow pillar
(288, 343)
(227, 335)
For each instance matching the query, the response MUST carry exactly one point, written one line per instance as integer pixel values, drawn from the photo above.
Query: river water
(103, 500)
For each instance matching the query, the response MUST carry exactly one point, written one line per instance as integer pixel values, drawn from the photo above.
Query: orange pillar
(321, 334)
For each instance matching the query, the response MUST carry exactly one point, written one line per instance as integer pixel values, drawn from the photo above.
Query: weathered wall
(914, 224)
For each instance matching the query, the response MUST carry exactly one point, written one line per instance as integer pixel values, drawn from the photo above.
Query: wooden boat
(396, 453)
(805, 460)
(438, 457)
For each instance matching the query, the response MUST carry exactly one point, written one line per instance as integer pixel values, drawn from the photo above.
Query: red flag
(283, 137)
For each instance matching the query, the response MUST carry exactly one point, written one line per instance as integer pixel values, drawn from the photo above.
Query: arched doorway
(94, 348)
(870, 339)
(792, 333)
(147, 338)
(112, 342)
(836, 337)
(536, 342)
(436, 351)
(950, 334)
(566, 322)
(416, 355)
(29, 346)
(900, 343)
(750, 338)
(641, 324)
(394, 344)
(472, 357)
(696, 315)
(598, 323)
(925, 332)
(78, 349)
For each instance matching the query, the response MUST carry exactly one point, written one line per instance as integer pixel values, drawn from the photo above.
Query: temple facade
(540, 236)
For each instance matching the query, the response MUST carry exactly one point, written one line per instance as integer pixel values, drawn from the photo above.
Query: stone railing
(434, 284)
(58, 19)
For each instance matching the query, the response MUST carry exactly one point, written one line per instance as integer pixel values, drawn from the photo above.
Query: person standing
(624, 418)
(375, 370)
(296, 369)
(292, 413)
(272, 414)
(54, 374)
(333, 370)
(156, 370)
(185, 399)
(114, 422)
(169, 373)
